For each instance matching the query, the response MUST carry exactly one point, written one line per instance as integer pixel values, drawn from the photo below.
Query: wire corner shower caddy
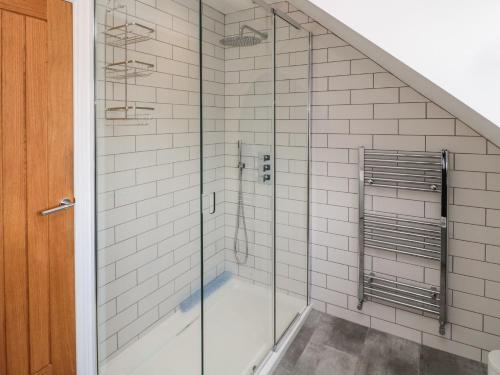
(404, 235)
(121, 34)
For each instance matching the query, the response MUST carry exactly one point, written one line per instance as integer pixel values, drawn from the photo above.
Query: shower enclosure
(202, 184)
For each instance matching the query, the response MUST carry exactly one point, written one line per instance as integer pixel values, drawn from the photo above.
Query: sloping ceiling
(449, 50)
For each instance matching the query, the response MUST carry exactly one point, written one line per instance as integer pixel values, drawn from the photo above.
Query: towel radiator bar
(406, 236)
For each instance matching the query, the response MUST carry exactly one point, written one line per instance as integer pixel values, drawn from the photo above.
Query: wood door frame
(84, 185)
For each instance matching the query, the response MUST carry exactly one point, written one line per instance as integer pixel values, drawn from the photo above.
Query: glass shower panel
(292, 168)
(237, 139)
(148, 188)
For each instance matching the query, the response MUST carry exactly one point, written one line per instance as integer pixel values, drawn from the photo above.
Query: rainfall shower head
(244, 40)
(240, 41)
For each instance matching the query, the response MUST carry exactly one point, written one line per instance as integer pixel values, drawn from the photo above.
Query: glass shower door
(292, 72)
(237, 186)
(202, 181)
(147, 188)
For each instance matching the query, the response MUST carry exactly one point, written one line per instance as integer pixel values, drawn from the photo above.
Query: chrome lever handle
(64, 205)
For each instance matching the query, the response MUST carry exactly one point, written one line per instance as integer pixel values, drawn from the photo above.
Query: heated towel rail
(404, 236)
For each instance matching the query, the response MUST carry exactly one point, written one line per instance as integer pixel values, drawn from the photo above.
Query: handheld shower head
(241, 165)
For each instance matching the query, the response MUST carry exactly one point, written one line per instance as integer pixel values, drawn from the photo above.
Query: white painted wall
(453, 44)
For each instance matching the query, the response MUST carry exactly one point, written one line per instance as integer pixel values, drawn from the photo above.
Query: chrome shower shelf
(133, 112)
(129, 69)
(128, 33)
(402, 294)
(123, 35)
(408, 236)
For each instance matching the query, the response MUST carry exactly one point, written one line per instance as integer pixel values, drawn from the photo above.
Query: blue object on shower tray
(209, 289)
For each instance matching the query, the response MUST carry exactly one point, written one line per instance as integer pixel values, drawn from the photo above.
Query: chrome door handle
(64, 205)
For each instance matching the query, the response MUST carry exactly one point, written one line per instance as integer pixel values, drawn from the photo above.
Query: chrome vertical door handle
(212, 208)
(64, 205)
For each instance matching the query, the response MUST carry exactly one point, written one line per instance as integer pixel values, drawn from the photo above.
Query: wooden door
(37, 318)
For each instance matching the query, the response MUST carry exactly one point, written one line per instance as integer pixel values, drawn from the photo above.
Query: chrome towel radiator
(404, 235)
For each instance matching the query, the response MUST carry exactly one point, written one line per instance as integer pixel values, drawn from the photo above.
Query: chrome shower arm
(259, 33)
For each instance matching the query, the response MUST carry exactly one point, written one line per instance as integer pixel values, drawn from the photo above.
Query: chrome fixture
(212, 204)
(422, 238)
(264, 168)
(242, 40)
(279, 13)
(63, 205)
(240, 212)
(120, 40)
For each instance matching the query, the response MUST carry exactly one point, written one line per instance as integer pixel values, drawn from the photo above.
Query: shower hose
(240, 216)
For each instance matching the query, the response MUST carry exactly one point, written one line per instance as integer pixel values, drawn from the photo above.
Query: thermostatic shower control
(264, 168)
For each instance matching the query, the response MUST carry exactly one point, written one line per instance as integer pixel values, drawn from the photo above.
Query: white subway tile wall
(213, 150)
(292, 87)
(358, 103)
(249, 117)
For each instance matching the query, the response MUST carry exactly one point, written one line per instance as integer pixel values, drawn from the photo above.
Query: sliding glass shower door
(255, 181)
(237, 185)
(148, 188)
(202, 165)
(292, 103)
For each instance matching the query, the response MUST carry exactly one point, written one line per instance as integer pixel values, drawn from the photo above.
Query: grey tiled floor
(327, 345)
